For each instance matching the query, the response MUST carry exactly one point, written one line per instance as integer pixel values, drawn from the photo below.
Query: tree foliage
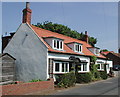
(62, 29)
(104, 50)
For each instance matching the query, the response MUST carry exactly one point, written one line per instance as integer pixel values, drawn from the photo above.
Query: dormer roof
(46, 33)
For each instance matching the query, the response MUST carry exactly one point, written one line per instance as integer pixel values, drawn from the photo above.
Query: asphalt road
(105, 87)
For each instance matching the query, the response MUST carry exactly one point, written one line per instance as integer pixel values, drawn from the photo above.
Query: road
(104, 87)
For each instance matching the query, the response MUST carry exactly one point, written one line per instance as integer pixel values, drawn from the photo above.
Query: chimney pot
(27, 4)
(86, 37)
(27, 14)
(86, 33)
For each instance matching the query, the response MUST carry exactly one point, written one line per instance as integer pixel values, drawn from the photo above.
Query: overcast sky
(100, 19)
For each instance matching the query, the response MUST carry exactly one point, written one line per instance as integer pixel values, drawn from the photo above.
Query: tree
(104, 50)
(62, 29)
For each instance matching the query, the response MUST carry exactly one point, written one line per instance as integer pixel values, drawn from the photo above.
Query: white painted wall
(110, 65)
(63, 56)
(108, 62)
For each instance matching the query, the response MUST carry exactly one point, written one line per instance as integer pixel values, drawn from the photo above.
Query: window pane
(56, 66)
(63, 67)
(61, 45)
(79, 67)
(57, 44)
(80, 48)
(98, 66)
(76, 47)
(66, 67)
(102, 66)
(84, 67)
(54, 43)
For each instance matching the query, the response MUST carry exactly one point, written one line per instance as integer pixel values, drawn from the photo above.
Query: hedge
(67, 80)
(83, 77)
(103, 74)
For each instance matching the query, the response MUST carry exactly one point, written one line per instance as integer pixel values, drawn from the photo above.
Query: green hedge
(67, 80)
(83, 77)
(103, 74)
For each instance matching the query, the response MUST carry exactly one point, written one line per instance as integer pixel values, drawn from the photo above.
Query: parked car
(116, 67)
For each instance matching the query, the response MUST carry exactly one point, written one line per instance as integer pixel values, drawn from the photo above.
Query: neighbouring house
(42, 54)
(8, 68)
(6, 39)
(115, 57)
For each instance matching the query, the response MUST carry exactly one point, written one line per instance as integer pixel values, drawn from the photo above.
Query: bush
(103, 74)
(67, 80)
(97, 75)
(83, 77)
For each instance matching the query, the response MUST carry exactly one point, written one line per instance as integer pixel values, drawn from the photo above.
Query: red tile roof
(105, 53)
(46, 33)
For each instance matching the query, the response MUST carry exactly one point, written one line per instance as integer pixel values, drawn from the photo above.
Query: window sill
(60, 72)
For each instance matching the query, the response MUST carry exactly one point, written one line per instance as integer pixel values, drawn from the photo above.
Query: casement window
(61, 67)
(57, 44)
(100, 66)
(78, 48)
(64, 67)
(57, 67)
(82, 67)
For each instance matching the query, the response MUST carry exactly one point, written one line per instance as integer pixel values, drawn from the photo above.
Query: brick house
(115, 57)
(42, 54)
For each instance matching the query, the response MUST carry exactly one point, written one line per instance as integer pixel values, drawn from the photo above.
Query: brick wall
(28, 88)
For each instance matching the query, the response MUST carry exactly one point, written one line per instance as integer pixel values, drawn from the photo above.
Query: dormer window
(75, 46)
(54, 42)
(57, 44)
(95, 50)
(78, 48)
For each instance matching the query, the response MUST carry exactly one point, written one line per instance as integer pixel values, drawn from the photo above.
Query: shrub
(67, 80)
(83, 77)
(97, 75)
(103, 74)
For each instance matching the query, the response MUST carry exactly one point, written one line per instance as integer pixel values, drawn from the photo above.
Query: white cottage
(41, 54)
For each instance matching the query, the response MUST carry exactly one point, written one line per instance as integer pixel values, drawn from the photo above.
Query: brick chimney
(27, 14)
(86, 37)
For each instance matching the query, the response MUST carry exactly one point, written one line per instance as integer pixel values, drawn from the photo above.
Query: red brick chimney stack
(27, 14)
(86, 36)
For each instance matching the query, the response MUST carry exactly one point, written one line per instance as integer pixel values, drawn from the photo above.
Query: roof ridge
(60, 34)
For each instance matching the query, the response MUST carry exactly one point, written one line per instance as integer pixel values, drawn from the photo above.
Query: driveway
(104, 87)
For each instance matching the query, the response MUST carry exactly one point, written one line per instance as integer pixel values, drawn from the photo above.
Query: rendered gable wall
(30, 54)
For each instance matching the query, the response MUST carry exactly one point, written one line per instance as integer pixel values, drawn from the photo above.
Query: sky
(100, 19)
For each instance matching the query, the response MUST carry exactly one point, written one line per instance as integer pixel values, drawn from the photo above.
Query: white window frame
(82, 67)
(100, 66)
(60, 67)
(80, 46)
(56, 44)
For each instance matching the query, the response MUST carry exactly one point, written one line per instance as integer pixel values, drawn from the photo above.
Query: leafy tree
(104, 50)
(62, 29)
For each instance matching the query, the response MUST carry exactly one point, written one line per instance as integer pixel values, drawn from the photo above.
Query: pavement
(104, 87)
(109, 87)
